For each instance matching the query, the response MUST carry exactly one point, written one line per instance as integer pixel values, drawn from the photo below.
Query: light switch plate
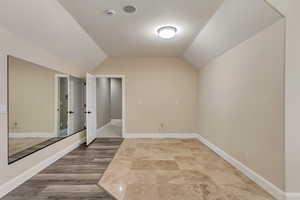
(3, 109)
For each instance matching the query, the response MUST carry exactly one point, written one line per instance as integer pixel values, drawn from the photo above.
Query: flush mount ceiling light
(167, 32)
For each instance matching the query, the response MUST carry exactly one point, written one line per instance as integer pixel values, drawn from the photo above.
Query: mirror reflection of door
(63, 106)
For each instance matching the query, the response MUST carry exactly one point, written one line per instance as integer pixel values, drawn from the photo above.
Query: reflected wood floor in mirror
(17, 145)
(74, 176)
(31, 149)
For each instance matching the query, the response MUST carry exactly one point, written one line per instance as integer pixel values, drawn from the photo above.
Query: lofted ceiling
(207, 28)
(79, 32)
(234, 22)
(47, 25)
(134, 34)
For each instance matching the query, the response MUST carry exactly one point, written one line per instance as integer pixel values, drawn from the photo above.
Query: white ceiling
(48, 25)
(234, 22)
(207, 28)
(134, 35)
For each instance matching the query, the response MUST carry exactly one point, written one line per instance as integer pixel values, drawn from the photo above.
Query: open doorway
(106, 115)
(109, 107)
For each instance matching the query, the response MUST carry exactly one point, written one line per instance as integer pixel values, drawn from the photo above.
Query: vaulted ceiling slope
(76, 31)
(135, 34)
(207, 28)
(234, 22)
(48, 25)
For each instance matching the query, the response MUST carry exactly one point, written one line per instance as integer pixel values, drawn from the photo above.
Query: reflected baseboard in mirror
(44, 107)
(20, 144)
(34, 146)
(31, 149)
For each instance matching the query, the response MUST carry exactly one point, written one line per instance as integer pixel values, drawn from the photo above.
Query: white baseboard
(32, 135)
(14, 183)
(262, 182)
(99, 130)
(292, 196)
(161, 135)
(116, 122)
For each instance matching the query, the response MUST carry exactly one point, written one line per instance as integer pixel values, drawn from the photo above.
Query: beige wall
(241, 103)
(116, 98)
(31, 97)
(158, 90)
(290, 9)
(103, 101)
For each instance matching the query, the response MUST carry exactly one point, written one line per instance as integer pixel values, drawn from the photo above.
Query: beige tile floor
(175, 169)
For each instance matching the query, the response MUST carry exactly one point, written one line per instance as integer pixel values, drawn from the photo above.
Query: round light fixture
(167, 32)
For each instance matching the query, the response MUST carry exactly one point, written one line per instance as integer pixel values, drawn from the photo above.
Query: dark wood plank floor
(73, 177)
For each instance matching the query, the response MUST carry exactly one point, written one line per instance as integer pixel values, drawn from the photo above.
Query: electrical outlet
(247, 154)
(161, 127)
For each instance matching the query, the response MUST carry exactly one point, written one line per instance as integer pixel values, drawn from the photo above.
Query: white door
(91, 106)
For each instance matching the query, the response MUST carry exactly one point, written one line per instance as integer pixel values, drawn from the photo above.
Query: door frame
(56, 104)
(124, 102)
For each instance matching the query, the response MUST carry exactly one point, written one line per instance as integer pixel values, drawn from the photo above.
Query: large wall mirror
(45, 106)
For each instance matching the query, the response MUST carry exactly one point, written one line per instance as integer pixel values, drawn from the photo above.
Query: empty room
(149, 99)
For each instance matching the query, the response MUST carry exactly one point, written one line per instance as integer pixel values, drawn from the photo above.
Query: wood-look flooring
(72, 177)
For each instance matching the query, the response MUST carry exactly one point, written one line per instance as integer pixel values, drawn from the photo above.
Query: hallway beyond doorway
(110, 131)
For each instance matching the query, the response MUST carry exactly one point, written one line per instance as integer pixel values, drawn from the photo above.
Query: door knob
(71, 112)
(89, 112)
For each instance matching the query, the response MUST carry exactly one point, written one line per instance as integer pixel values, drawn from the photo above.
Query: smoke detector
(129, 9)
(109, 12)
